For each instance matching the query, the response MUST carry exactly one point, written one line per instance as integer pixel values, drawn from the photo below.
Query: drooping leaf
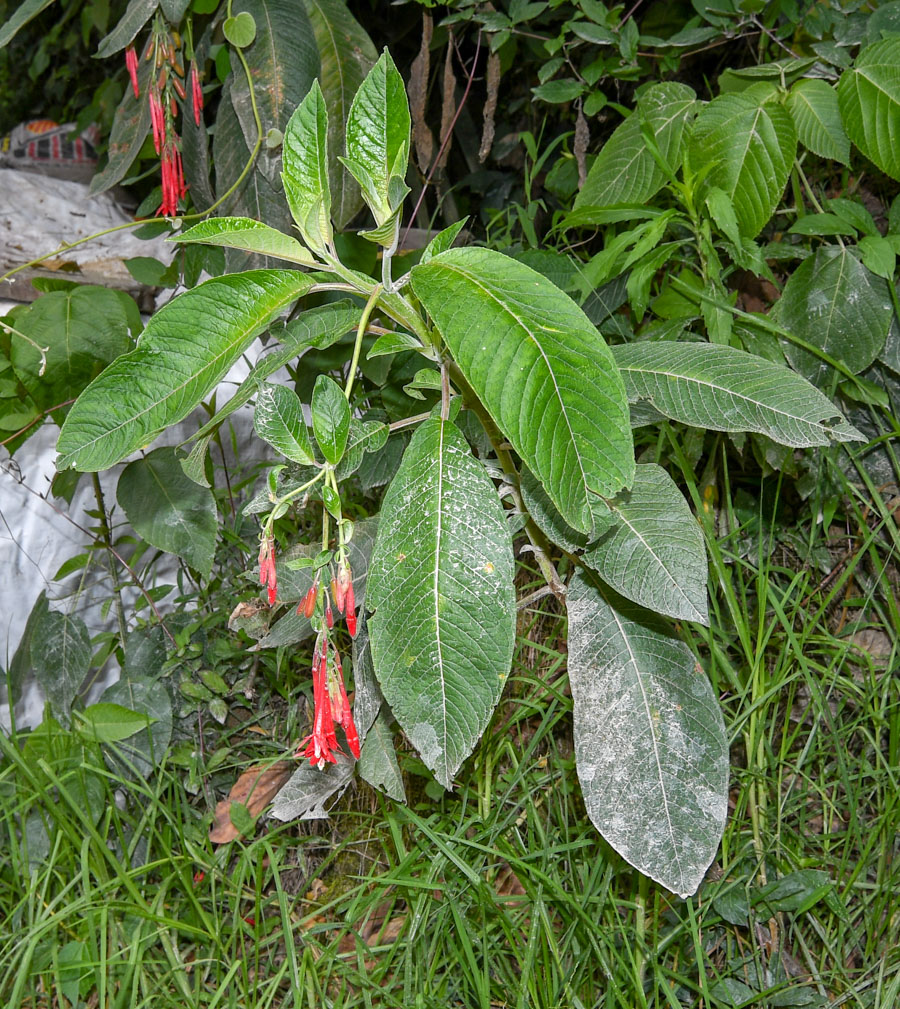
(131, 124)
(378, 760)
(814, 105)
(141, 753)
(869, 99)
(185, 350)
(833, 302)
(378, 126)
(106, 722)
(441, 588)
(724, 389)
(652, 551)
(283, 62)
(255, 789)
(751, 145)
(137, 14)
(278, 419)
(83, 329)
(346, 54)
(625, 171)
(169, 510)
(330, 418)
(305, 170)
(145, 652)
(60, 657)
(540, 367)
(650, 743)
(20, 666)
(247, 235)
(317, 327)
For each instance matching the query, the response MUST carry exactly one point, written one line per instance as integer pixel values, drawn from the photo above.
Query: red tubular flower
(268, 574)
(131, 61)
(329, 616)
(321, 743)
(196, 95)
(350, 600)
(309, 600)
(157, 120)
(338, 594)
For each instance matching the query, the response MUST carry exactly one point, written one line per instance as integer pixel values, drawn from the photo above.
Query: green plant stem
(106, 538)
(360, 333)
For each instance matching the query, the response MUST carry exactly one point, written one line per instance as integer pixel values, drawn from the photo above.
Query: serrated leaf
(330, 418)
(833, 302)
(653, 552)
(278, 419)
(305, 170)
(724, 389)
(378, 126)
(83, 329)
(185, 350)
(169, 510)
(131, 124)
(60, 652)
(751, 146)
(650, 744)
(347, 54)
(441, 587)
(106, 722)
(625, 170)
(722, 212)
(317, 327)
(137, 14)
(869, 100)
(442, 241)
(247, 235)
(814, 105)
(540, 367)
(194, 464)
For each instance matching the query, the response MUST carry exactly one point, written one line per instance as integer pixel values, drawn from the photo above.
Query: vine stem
(360, 333)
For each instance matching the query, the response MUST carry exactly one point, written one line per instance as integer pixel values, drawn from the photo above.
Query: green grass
(501, 894)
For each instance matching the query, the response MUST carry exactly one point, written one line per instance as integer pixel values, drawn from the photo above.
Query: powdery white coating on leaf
(441, 587)
(650, 744)
(724, 389)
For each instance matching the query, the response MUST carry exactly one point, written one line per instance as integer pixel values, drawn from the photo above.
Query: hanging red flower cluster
(165, 91)
(331, 706)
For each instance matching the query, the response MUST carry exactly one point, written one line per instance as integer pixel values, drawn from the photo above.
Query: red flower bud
(196, 94)
(351, 610)
(131, 61)
(309, 602)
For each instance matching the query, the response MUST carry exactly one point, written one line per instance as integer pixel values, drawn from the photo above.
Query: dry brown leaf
(492, 82)
(255, 789)
(508, 884)
(448, 105)
(417, 89)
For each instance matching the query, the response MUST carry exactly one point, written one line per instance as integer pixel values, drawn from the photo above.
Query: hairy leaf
(305, 172)
(137, 14)
(347, 54)
(540, 367)
(22, 15)
(650, 743)
(169, 510)
(60, 657)
(145, 750)
(833, 302)
(330, 418)
(751, 146)
(248, 235)
(131, 124)
(652, 551)
(724, 389)
(441, 588)
(185, 350)
(869, 99)
(278, 419)
(625, 171)
(814, 105)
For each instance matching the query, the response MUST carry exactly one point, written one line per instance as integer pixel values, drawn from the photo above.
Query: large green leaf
(82, 329)
(347, 54)
(60, 651)
(168, 510)
(653, 553)
(869, 99)
(541, 369)
(378, 127)
(137, 14)
(751, 145)
(625, 171)
(249, 236)
(330, 418)
(441, 587)
(283, 61)
(650, 743)
(833, 302)
(145, 750)
(305, 170)
(279, 420)
(22, 15)
(724, 389)
(131, 124)
(814, 105)
(186, 349)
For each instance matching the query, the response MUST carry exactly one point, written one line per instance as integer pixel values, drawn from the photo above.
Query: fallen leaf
(255, 789)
